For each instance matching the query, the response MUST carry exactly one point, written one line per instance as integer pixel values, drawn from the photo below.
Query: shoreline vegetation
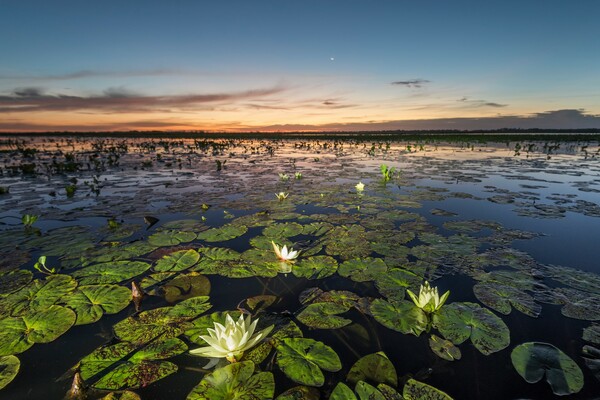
(451, 135)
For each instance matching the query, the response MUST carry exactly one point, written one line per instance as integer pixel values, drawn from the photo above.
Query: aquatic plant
(386, 172)
(40, 265)
(360, 187)
(70, 189)
(284, 254)
(429, 300)
(3, 190)
(284, 177)
(29, 219)
(232, 339)
(298, 175)
(282, 195)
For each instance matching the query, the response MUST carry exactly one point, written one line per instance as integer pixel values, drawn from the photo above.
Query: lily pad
(110, 272)
(303, 359)
(324, 316)
(38, 295)
(177, 261)
(9, 368)
(300, 393)
(123, 366)
(347, 242)
(235, 381)
(415, 390)
(592, 334)
(402, 316)
(592, 359)
(363, 270)
(222, 234)
(185, 286)
(394, 282)
(501, 297)
(317, 267)
(14, 280)
(285, 230)
(444, 349)
(374, 367)
(18, 334)
(460, 321)
(170, 238)
(125, 395)
(91, 302)
(533, 360)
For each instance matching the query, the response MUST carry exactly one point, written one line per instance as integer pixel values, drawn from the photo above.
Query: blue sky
(247, 65)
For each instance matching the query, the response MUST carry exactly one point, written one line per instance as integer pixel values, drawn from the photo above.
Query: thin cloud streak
(411, 83)
(118, 100)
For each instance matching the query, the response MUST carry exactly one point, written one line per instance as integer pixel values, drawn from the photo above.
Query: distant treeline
(505, 134)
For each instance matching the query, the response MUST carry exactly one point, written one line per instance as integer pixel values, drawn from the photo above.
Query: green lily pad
(170, 238)
(316, 228)
(501, 297)
(363, 270)
(592, 359)
(222, 234)
(166, 322)
(444, 349)
(374, 367)
(260, 352)
(123, 366)
(300, 393)
(110, 272)
(415, 390)
(235, 381)
(302, 360)
(9, 368)
(14, 280)
(230, 263)
(592, 333)
(125, 395)
(317, 267)
(91, 302)
(402, 316)
(38, 295)
(342, 392)
(177, 261)
(18, 334)
(460, 321)
(185, 286)
(324, 316)
(394, 282)
(580, 304)
(255, 304)
(341, 297)
(533, 360)
(347, 242)
(285, 230)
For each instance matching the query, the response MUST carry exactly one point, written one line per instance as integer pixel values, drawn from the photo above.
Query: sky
(298, 65)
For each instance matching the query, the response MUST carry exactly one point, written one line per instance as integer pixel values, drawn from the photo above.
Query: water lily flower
(429, 300)
(284, 177)
(283, 254)
(360, 186)
(298, 175)
(282, 195)
(232, 339)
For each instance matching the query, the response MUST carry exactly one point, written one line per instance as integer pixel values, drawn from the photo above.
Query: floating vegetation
(339, 290)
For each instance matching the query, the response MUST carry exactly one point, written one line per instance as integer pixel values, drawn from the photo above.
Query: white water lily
(429, 300)
(232, 339)
(360, 186)
(284, 254)
(284, 177)
(282, 195)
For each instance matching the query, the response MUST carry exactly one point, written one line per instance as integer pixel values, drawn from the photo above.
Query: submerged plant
(429, 300)
(360, 187)
(29, 219)
(284, 254)
(386, 172)
(40, 265)
(282, 195)
(232, 339)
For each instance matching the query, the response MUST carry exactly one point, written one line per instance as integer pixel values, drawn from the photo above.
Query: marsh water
(510, 227)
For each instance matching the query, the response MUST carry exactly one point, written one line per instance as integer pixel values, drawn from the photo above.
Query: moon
(331, 58)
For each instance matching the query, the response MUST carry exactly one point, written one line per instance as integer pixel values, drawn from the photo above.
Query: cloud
(480, 103)
(411, 83)
(119, 100)
(94, 74)
(557, 119)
